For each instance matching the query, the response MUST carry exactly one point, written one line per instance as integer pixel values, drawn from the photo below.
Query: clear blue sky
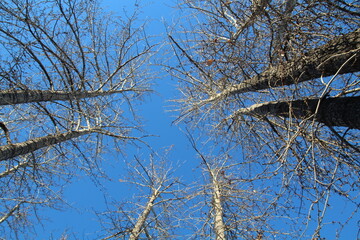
(83, 197)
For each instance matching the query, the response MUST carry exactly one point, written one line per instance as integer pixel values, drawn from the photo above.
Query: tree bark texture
(324, 61)
(135, 232)
(219, 225)
(14, 150)
(341, 112)
(9, 97)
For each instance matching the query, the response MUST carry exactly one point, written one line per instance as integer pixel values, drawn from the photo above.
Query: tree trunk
(135, 232)
(342, 112)
(219, 225)
(324, 61)
(9, 97)
(14, 150)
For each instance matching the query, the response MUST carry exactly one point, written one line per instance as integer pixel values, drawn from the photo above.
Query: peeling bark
(324, 61)
(341, 112)
(14, 150)
(9, 97)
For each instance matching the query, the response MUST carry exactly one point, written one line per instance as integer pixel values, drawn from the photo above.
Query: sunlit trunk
(219, 225)
(135, 232)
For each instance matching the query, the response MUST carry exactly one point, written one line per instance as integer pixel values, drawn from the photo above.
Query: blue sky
(83, 196)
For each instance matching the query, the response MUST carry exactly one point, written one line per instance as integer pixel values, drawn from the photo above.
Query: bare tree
(280, 82)
(152, 212)
(68, 71)
(232, 202)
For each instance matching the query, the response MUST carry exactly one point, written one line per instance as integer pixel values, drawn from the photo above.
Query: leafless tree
(226, 204)
(68, 72)
(152, 211)
(280, 80)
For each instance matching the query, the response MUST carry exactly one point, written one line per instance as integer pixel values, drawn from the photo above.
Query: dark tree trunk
(344, 112)
(26, 96)
(14, 150)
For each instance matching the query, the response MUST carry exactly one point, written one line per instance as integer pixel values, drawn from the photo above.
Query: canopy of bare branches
(67, 71)
(270, 100)
(280, 80)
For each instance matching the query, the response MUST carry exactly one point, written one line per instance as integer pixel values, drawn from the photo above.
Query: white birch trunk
(135, 232)
(219, 225)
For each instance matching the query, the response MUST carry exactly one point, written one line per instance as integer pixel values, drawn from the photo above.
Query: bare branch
(321, 62)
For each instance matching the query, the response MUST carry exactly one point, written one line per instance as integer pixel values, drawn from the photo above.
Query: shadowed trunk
(341, 112)
(9, 97)
(17, 149)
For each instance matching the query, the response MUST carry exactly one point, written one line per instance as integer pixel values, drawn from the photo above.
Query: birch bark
(135, 232)
(219, 225)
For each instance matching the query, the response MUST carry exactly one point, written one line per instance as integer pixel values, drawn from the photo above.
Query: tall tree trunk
(343, 112)
(9, 97)
(324, 61)
(14, 150)
(219, 225)
(135, 232)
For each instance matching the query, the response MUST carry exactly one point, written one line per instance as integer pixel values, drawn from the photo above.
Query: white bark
(219, 225)
(135, 232)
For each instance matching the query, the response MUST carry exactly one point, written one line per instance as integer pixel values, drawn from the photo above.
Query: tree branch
(323, 61)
